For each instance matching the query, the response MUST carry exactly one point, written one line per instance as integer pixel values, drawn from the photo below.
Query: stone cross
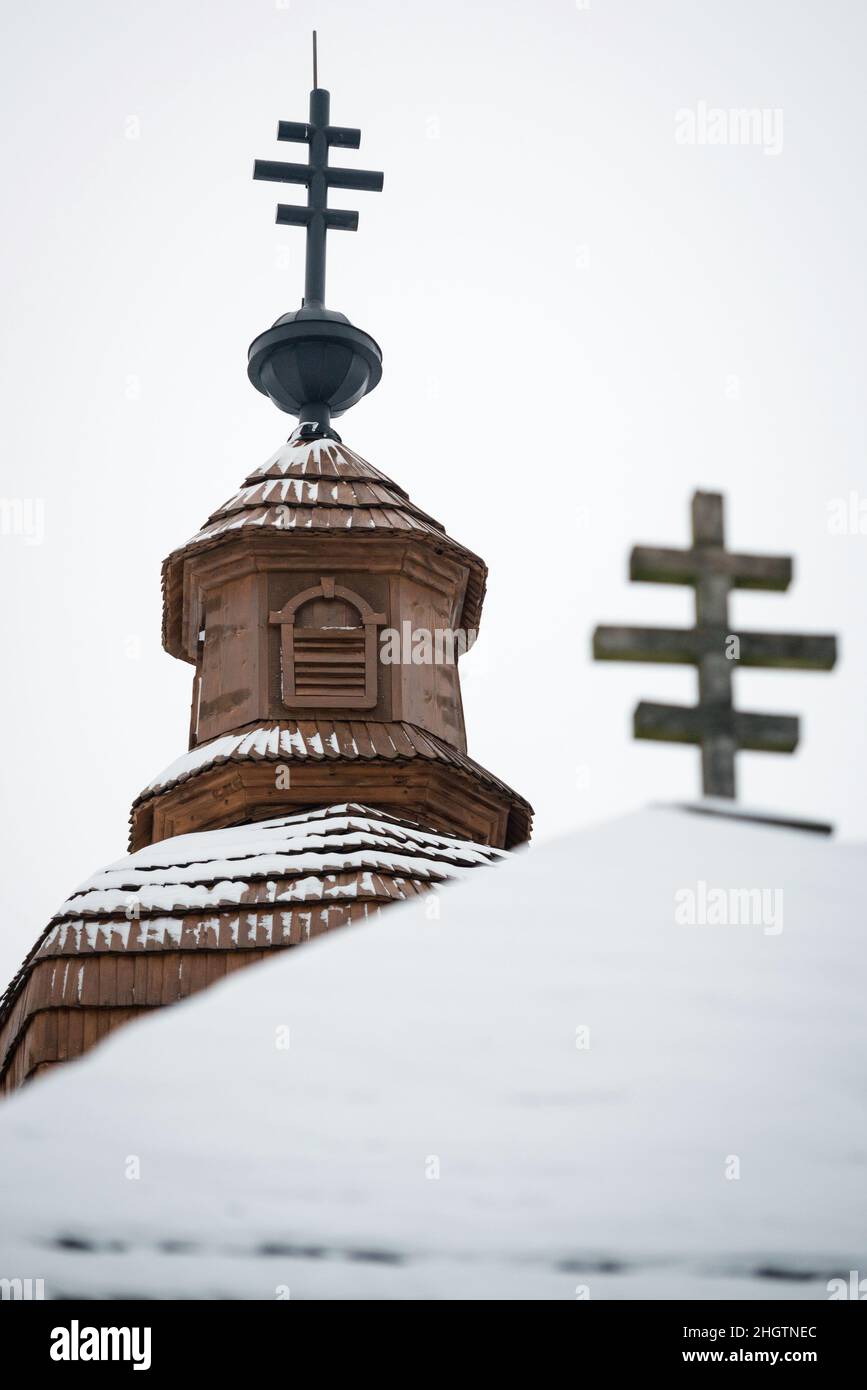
(711, 646)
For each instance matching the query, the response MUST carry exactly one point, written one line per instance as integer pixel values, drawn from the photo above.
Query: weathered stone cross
(713, 648)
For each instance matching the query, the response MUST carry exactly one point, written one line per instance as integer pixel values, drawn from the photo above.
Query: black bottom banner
(63, 1339)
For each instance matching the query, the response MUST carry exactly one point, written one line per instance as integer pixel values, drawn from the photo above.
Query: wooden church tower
(327, 774)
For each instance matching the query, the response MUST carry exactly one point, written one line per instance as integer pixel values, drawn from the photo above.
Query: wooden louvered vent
(328, 649)
(330, 662)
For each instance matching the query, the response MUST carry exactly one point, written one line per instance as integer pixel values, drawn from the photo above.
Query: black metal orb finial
(314, 363)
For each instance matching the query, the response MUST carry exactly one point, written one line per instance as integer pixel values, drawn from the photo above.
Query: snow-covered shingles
(266, 741)
(220, 868)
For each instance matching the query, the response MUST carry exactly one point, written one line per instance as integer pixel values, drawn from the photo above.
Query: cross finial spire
(713, 648)
(319, 135)
(314, 363)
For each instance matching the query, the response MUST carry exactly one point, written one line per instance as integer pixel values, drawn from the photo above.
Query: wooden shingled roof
(323, 740)
(318, 486)
(176, 916)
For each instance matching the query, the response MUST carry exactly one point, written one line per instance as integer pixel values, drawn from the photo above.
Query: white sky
(562, 294)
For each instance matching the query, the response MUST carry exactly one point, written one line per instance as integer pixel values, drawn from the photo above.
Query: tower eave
(181, 616)
(405, 769)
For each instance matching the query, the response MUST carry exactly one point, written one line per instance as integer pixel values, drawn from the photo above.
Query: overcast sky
(582, 318)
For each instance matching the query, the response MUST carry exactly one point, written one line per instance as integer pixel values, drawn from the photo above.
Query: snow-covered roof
(299, 858)
(601, 1069)
(322, 740)
(207, 897)
(326, 856)
(311, 486)
(321, 458)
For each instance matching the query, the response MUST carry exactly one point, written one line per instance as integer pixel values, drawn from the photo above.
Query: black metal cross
(317, 217)
(713, 648)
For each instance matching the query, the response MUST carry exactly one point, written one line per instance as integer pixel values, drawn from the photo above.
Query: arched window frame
(290, 663)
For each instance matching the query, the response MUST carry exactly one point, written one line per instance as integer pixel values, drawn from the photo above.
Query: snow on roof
(323, 740)
(320, 486)
(320, 458)
(269, 884)
(323, 485)
(557, 1083)
(216, 867)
